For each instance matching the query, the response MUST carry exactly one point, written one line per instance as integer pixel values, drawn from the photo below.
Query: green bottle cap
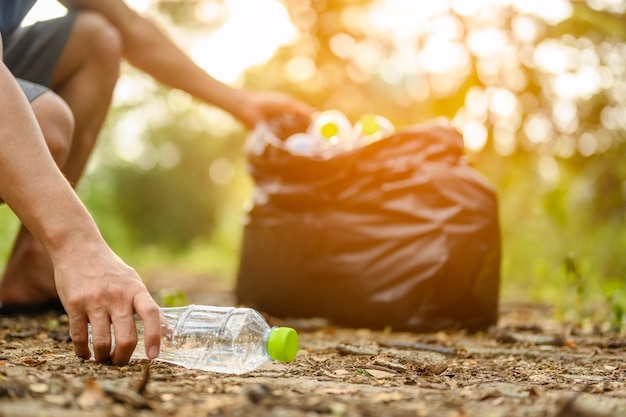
(369, 124)
(329, 129)
(282, 344)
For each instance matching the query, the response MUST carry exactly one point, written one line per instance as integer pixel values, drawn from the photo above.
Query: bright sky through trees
(426, 48)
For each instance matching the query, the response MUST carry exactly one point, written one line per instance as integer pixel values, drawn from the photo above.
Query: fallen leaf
(380, 374)
(92, 396)
(125, 395)
(386, 397)
(39, 388)
(33, 362)
(534, 392)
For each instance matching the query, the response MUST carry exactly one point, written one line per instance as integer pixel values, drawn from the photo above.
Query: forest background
(538, 89)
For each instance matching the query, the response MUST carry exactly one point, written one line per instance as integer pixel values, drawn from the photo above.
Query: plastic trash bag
(401, 233)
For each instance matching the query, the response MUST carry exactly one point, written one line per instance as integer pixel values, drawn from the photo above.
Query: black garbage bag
(401, 233)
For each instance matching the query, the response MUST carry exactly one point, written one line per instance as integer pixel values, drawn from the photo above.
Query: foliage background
(537, 88)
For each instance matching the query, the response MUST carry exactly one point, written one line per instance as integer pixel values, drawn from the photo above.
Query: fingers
(101, 337)
(264, 106)
(148, 311)
(105, 293)
(80, 335)
(288, 105)
(118, 316)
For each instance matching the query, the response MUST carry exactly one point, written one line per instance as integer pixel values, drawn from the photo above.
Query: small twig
(345, 349)
(145, 377)
(425, 347)
(503, 336)
(378, 368)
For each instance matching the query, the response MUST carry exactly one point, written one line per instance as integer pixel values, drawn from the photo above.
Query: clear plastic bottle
(333, 130)
(331, 133)
(220, 339)
(371, 128)
(304, 144)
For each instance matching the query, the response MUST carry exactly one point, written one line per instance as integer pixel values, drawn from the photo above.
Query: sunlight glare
(127, 141)
(228, 51)
(565, 146)
(588, 81)
(525, 29)
(446, 27)
(549, 170)
(554, 57)
(169, 155)
(390, 17)
(565, 115)
(300, 69)
(141, 6)
(486, 42)
(469, 8)
(440, 56)
(44, 10)
(504, 140)
(552, 11)
(367, 55)
(474, 135)
(342, 45)
(221, 171)
(587, 144)
(502, 102)
(614, 6)
(476, 103)
(582, 84)
(538, 128)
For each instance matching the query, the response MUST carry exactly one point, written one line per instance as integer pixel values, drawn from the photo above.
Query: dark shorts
(32, 53)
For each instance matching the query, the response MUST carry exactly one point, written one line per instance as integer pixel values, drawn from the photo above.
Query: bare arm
(149, 49)
(94, 285)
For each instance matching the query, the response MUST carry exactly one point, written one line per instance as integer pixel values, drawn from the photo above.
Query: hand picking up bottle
(330, 133)
(220, 339)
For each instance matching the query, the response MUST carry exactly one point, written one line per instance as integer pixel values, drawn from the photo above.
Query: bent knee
(100, 36)
(56, 122)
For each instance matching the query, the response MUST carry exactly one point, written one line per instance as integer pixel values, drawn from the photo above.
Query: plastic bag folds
(401, 233)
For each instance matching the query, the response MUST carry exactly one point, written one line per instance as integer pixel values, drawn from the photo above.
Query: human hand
(282, 110)
(99, 289)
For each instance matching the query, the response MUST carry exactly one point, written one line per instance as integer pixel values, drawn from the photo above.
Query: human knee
(56, 123)
(101, 37)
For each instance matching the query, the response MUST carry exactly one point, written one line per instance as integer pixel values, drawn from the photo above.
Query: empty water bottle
(329, 133)
(220, 339)
(371, 128)
(333, 130)
(304, 144)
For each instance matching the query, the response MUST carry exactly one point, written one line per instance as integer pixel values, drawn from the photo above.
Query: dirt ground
(529, 365)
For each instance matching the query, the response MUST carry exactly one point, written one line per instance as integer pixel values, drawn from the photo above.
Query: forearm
(150, 50)
(30, 182)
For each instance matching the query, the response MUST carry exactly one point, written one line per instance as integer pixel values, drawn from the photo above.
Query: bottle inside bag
(371, 128)
(331, 133)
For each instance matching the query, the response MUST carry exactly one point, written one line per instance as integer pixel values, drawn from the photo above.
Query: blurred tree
(538, 90)
(170, 193)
